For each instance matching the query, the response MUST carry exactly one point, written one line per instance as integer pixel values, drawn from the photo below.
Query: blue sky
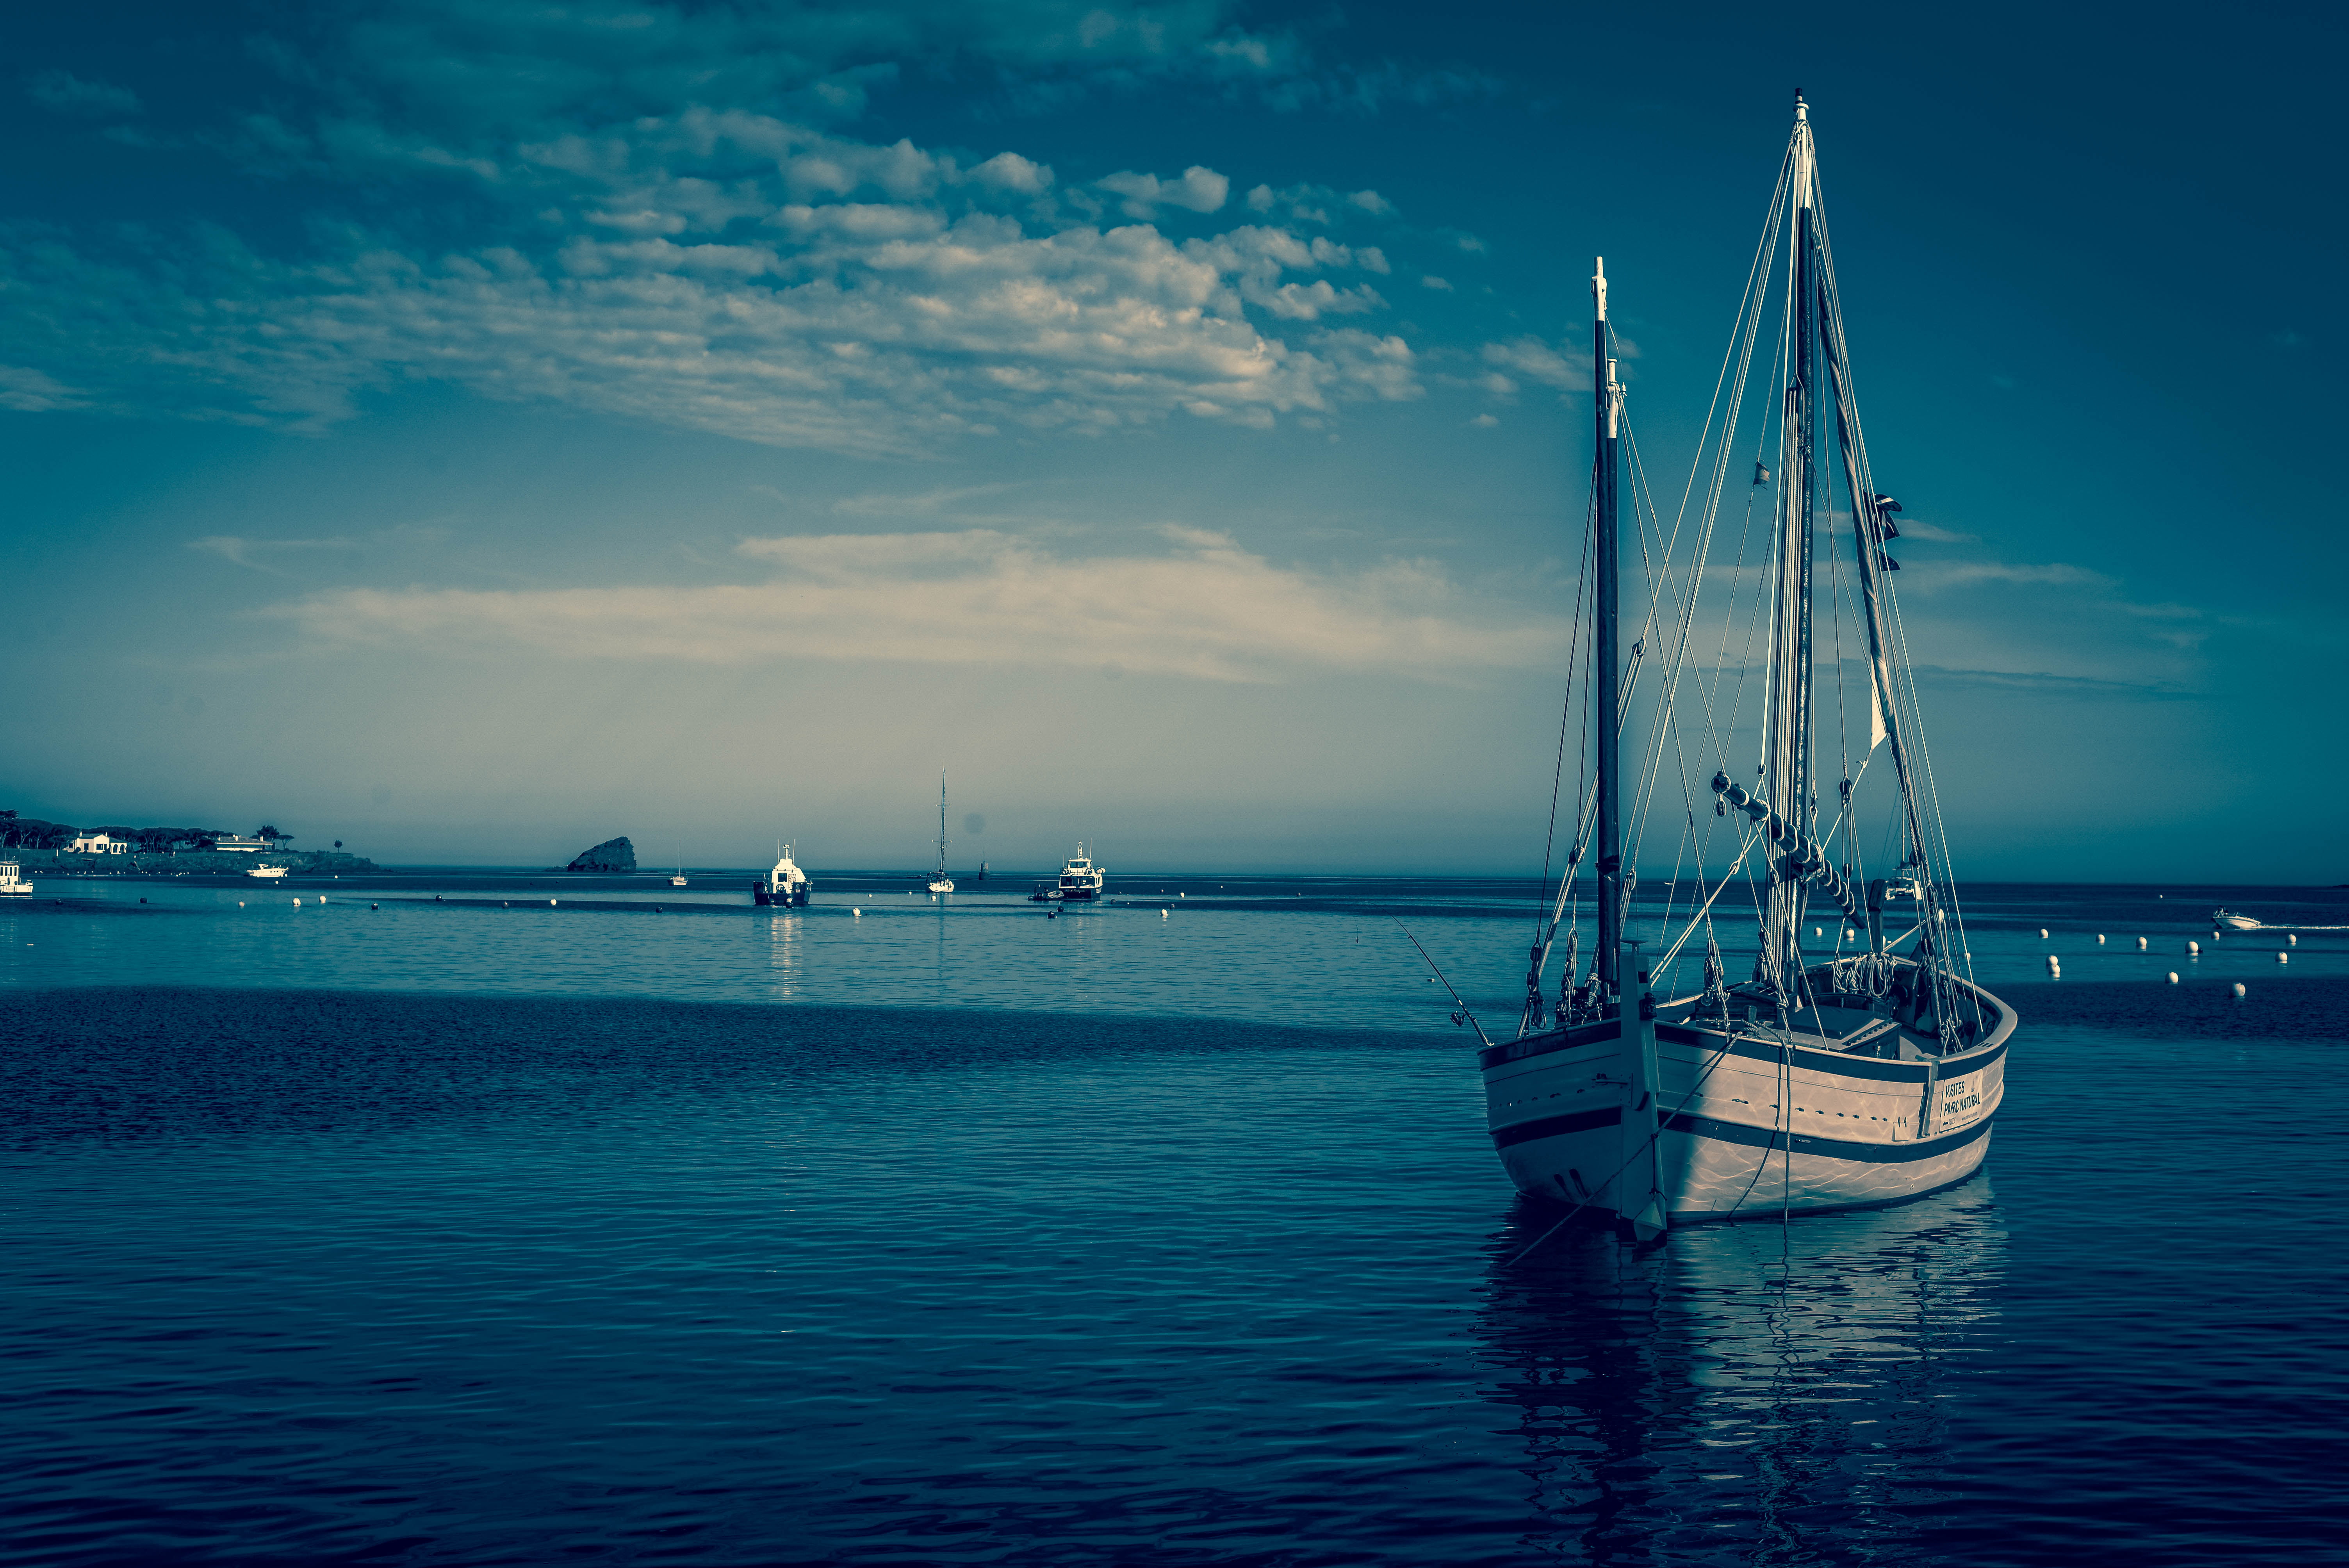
(474, 429)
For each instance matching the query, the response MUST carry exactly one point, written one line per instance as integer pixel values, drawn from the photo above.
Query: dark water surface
(429, 1262)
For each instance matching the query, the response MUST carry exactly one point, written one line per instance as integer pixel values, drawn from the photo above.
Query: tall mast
(1789, 762)
(942, 823)
(1609, 677)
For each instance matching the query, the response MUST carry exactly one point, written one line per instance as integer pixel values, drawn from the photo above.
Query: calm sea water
(487, 1231)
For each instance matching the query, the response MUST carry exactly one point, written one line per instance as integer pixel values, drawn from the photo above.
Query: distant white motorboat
(268, 872)
(940, 881)
(13, 885)
(786, 887)
(1081, 880)
(2245, 922)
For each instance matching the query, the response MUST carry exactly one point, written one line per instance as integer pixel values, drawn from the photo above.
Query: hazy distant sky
(473, 428)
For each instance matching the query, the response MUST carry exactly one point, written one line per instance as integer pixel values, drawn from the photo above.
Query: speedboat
(268, 873)
(2234, 922)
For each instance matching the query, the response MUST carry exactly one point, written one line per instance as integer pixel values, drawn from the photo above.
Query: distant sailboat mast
(942, 825)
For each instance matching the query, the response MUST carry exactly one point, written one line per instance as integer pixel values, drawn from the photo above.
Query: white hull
(1859, 1130)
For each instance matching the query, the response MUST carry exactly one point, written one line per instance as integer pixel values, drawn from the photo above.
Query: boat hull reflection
(1749, 1390)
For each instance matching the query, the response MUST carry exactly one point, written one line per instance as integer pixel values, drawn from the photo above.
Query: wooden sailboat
(940, 881)
(1854, 1074)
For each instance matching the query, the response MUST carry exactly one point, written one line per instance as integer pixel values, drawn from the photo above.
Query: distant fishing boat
(1081, 880)
(12, 884)
(269, 873)
(1842, 1076)
(940, 881)
(785, 887)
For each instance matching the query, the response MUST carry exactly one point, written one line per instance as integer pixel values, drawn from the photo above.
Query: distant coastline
(185, 862)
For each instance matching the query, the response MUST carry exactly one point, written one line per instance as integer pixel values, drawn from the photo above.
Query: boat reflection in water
(1747, 1391)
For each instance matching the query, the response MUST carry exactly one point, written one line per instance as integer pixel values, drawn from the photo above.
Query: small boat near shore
(268, 873)
(12, 883)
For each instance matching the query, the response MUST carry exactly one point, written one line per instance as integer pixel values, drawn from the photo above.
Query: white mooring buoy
(2291, 942)
(2283, 957)
(1819, 931)
(1161, 914)
(550, 903)
(2054, 968)
(2238, 989)
(297, 903)
(2140, 944)
(2100, 939)
(2193, 949)
(2173, 977)
(857, 913)
(2043, 933)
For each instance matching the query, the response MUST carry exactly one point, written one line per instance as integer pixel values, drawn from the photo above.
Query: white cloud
(872, 302)
(1432, 281)
(1534, 360)
(1200, 190)
(1207, 610)
(29, 391)
(65, 93)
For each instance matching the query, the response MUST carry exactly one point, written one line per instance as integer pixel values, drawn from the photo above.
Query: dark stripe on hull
(1832, 1148)
(1556, 1126)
